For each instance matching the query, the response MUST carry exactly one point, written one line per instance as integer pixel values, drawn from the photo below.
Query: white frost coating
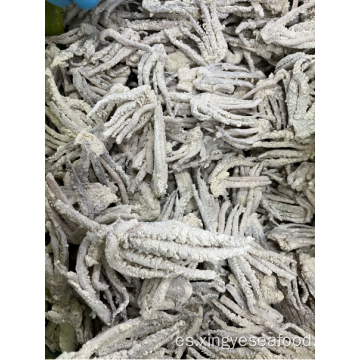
(180, 179)
(96, 145)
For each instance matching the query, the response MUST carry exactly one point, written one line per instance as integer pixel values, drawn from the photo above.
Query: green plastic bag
(53, 20)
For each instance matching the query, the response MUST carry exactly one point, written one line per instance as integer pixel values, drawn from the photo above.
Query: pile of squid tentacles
(180, 180)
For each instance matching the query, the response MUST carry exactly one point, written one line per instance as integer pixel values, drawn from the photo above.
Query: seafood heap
(180, 184)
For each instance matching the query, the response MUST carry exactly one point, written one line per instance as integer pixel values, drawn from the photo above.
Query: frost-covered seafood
(180, 183)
